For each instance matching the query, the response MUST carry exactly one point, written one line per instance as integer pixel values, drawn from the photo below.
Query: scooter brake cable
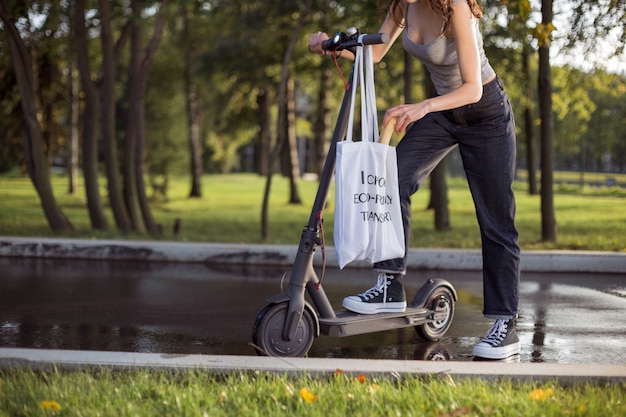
(343, 78)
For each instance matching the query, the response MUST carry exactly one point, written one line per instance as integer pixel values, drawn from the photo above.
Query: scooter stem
(303, 276)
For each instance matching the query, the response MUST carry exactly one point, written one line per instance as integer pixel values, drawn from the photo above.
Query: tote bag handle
(364, 75)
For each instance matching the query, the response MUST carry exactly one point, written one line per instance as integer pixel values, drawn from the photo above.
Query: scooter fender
(284, 298)
(277, 299)
(431, 285)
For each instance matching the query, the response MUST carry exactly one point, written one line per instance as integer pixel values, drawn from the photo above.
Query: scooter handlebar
(349, 40)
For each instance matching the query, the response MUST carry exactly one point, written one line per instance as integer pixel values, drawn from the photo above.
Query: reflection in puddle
(203, 309)
(82, 336)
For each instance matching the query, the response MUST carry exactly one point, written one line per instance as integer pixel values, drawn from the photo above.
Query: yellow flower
(539, 394)
(361, 379)
(373, 389)
(307, 396)
(50, 405)
(223, 397)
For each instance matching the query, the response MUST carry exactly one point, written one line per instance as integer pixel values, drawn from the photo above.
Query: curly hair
(441, 8)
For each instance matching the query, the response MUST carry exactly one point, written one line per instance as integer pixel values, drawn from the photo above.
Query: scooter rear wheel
(441, 300)
(267, 334)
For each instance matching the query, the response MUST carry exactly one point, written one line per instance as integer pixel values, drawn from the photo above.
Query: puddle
(208, 309)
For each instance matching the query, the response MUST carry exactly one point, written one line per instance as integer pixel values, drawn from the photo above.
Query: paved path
(442, 259)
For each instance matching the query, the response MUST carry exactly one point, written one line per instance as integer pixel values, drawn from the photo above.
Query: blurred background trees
(152, 89)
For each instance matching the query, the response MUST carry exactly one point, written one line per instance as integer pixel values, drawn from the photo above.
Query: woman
(471, 111)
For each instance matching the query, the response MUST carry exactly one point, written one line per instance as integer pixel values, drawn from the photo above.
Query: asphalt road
(202, 309)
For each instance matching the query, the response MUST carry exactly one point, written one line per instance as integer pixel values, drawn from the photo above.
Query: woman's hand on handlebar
(315, 42)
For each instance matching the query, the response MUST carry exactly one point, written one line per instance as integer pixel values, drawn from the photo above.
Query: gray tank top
(441, 60)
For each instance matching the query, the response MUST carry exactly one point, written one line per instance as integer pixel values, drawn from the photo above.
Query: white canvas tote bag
(368, 223)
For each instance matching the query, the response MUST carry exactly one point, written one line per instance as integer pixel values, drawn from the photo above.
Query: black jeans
(485, 135)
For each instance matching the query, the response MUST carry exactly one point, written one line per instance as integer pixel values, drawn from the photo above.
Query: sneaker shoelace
(380, 287)
(497, 333)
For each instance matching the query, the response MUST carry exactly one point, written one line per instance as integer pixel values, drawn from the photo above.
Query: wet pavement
(196, 308)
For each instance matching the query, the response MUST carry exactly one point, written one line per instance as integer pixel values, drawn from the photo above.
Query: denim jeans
(485, 135)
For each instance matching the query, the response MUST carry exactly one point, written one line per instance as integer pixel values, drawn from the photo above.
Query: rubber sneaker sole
(486, 351)
(356, 305)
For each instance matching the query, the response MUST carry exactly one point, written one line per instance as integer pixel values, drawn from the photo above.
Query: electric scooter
(288, 325)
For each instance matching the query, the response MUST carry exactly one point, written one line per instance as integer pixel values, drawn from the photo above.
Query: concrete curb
(225, 253)
(68, 359)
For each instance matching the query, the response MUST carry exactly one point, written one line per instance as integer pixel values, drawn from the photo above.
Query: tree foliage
(598, 24)
(232, 54)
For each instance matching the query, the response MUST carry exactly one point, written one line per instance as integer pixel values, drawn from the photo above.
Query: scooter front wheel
(267, 334)
(441, 302)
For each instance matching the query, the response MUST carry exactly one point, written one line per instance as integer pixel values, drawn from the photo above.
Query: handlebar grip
(375, 38)
(327, 45)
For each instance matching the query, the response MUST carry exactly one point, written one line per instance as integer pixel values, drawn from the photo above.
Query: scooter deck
(347, 323)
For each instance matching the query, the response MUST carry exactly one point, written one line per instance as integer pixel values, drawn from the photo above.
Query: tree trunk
(131, 194)
(90, 123)
(439, 196)
(195, 142)
(281, 100)
(407, 75)
(321, 127)
(262, 146)
(44, 77)
(193, 116)
(31, 130)
(151, 226)
(548, 220)
(140, 63)
(290, 131)
(107, 86)
(137, 86)
(438, 185)
(531, 152)
(322, 123)
(73, 131)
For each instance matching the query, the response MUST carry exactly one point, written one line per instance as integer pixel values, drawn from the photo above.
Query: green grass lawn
(230, 212)
(196, 393)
